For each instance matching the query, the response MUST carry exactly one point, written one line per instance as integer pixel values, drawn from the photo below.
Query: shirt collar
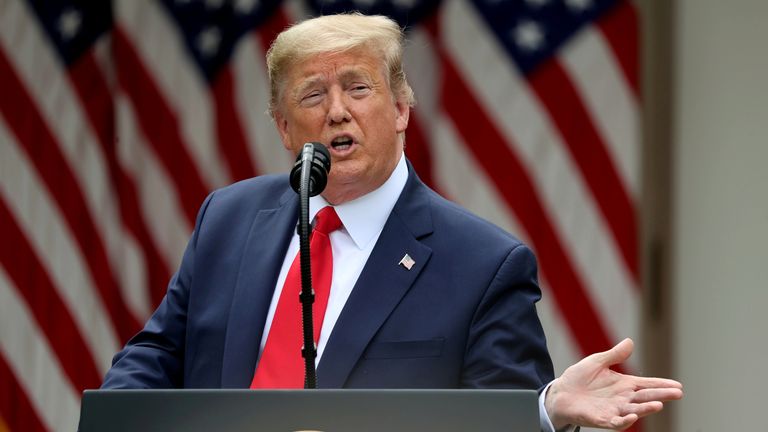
(364, 217)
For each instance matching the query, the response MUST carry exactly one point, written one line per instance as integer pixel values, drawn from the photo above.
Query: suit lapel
(263, 256)
(381, 285)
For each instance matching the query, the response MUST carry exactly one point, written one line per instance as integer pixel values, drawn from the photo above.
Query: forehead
(337, 65)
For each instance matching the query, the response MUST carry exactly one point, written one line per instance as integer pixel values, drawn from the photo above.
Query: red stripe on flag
(419, 150)
(50, 312)
(514, 184)
(93, 91)
(270, 28)
(229, 132)
(15, 407)
(159, 124)
(558, 94)
(34, 136)
(620, 27)
(96, 99)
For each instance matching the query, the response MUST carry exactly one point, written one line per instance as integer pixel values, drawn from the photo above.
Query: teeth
(342, 140)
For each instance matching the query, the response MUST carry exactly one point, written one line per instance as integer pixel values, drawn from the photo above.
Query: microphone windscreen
(320, 161)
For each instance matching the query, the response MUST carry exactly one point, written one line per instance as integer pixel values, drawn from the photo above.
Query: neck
(339, 193)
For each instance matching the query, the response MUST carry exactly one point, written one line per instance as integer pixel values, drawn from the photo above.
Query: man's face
(343, 101)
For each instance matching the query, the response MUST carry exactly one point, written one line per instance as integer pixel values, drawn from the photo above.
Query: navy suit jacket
(463, 316)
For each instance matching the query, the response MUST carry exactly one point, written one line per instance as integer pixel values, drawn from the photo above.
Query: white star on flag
(579, 5)
(246, 6)
(208, 41)
(528, 36)
(69, 23)
(214, 4)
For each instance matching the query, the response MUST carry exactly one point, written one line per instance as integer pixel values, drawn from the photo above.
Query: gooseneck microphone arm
(308, 177)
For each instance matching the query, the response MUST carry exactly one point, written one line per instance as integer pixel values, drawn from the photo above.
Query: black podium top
(310, 410)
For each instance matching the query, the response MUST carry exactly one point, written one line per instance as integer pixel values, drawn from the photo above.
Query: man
(420, 292)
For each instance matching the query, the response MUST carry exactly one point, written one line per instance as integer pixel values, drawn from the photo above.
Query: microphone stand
(307, 296)
(315, 163)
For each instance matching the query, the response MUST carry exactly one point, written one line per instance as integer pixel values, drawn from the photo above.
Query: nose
(338, 111)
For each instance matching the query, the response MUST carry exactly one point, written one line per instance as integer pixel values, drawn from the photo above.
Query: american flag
(118, 117)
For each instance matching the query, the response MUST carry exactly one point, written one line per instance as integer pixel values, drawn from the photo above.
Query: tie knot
(327, 221)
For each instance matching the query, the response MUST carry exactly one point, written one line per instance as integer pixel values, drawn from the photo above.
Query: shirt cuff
(544, 420)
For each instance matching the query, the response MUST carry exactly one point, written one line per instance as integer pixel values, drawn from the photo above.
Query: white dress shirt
(363, 220)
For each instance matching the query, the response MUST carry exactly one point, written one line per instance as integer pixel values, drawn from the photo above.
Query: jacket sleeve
(506, 347)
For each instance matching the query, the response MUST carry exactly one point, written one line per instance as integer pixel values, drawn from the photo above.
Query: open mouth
(342, 143)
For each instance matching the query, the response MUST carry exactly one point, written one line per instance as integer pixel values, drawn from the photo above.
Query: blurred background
(625, 141)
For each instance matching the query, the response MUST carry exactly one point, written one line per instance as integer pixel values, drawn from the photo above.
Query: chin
(346, 173)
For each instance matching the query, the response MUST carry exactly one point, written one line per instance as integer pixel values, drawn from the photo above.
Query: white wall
(720, 213)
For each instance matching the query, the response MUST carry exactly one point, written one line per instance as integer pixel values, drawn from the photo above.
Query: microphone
(317, 156)
(309, 177)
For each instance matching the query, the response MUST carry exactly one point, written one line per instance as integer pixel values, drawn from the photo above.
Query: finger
(642, 409)
(648, 395)
(618, 354)
(644, 383)
(622, 422)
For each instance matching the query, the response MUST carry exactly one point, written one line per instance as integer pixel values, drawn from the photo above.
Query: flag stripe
(554, 88)
(419, 151)
(456, 168)
(423, 149)
(36, 139)
(620, 26)
(229, 131)
(182, 87)
(25, 270)
(96, 99)
(29, 357)
(515, 186)
(251, 69)
(15, 408)
(252, 97)
(159, 124)
(159, 203)
(54, 245)
(46, 80)
(611, 103)
(156, 267)
(271, 27)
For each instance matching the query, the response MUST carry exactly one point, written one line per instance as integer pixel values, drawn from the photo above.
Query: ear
(282, 128)
(403, 111)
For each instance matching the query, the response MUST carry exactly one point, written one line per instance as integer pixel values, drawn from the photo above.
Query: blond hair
(334, 34)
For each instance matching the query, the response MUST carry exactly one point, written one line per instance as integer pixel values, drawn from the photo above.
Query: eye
(359, 89)
(311, 98)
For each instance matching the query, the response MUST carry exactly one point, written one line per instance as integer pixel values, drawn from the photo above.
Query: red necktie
(281, 364)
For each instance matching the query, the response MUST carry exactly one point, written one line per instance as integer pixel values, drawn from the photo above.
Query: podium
(310, 410)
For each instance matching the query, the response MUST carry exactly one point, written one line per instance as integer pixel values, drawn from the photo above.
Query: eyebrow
(305, 85)
(352, 73)
(346, 74)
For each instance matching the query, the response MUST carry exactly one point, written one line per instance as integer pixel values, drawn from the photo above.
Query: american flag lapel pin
(407, 262)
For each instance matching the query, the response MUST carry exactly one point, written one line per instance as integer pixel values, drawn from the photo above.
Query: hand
(590, 394)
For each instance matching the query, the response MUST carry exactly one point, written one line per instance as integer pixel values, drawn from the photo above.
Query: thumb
(618, 354)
